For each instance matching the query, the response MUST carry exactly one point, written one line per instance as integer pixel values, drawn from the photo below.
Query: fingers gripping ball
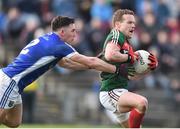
(141, 65)
(154, 61)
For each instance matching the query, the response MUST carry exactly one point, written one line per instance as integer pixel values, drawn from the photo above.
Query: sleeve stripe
(70, 46)
(71, 54)
(115, 36)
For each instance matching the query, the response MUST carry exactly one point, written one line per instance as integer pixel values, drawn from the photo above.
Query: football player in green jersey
(128, 107)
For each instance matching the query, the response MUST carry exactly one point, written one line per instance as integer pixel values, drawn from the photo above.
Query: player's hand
(132, 56)
(154, 62)
(125, 70)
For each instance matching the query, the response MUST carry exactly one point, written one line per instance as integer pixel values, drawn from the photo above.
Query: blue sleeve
(64, 50)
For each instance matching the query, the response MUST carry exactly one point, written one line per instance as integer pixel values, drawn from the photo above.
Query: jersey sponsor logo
(11, 103)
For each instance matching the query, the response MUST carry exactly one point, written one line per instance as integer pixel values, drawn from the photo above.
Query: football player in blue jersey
(35, 59)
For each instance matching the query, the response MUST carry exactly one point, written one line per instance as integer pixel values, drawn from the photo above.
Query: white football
(141, 65)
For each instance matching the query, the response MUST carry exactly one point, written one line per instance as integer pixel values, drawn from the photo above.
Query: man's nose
(133, 25)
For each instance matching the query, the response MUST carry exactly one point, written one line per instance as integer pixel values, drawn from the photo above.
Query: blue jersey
(36, 58)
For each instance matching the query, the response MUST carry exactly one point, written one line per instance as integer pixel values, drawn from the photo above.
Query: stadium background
(66, 97)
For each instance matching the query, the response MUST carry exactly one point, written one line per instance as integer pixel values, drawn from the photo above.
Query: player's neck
(59, 35)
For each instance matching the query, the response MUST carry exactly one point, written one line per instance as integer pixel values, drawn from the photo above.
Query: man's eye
(73, 30)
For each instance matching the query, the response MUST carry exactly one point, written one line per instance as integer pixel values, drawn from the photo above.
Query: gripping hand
(154, 62)
(132, 56)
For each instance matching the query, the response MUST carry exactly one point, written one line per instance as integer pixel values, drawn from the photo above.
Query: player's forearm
(100, 65)
(76, 66)
(94, 63)
(68, 63)
(116, 56)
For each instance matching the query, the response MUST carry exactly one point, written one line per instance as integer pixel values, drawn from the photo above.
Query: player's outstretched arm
(70, 64)
(94, 63)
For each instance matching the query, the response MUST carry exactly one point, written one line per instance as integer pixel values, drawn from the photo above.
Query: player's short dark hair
(60, 21)
(118, 15)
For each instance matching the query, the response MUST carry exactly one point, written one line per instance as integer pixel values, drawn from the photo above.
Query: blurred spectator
(96, 35)
(128, 4)
(175, 87)
(175, 48)
(149, 24)
(173, 24)
(29, 6)
(65, 8)
(84, 9)
(99, 24)
(174, 6)
(162, 12)
(46, 12)
(32, 22)
(82, 43)
(101, 10)
(7, 4)
(168, 62)
(15, 22)
(145, 6)
(3, 23)
(145, 40)
(15, 26)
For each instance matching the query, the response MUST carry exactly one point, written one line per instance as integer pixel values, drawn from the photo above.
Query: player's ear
(61, 31)
(117, 24)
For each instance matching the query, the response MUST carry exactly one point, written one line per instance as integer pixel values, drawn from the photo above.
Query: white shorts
(9, 95)
(109, 100)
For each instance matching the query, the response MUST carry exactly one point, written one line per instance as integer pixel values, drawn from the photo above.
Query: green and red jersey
(112, 81)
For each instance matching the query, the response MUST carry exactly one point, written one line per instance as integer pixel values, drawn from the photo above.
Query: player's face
(69, 33)
(127, 26)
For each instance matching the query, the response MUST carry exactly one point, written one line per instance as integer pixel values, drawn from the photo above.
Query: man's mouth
(131, 31)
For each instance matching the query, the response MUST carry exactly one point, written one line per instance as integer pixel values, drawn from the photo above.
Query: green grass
(61, 126)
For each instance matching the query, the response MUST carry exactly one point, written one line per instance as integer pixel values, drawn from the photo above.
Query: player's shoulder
(49, 37)
(47, 43)
(117, 37)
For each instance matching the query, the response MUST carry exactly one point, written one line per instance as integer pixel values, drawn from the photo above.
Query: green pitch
(61, 126)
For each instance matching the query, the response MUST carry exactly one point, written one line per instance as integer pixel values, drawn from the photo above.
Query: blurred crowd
(158, 31)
